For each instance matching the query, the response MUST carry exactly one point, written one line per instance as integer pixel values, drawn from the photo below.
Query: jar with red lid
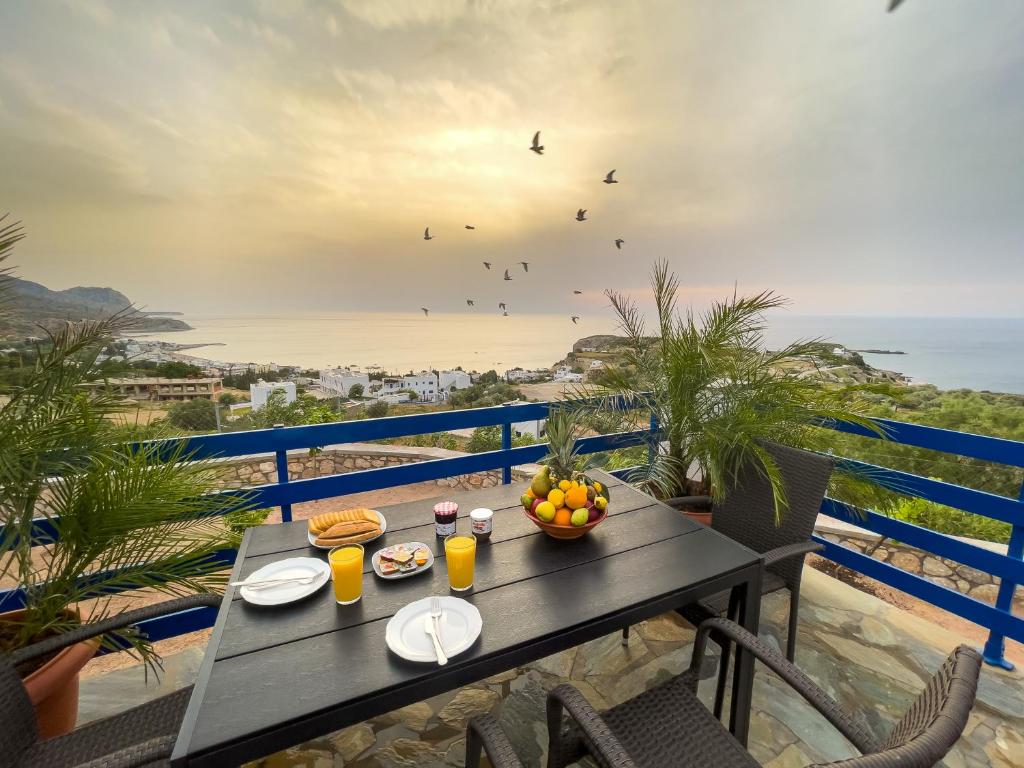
(445, 514)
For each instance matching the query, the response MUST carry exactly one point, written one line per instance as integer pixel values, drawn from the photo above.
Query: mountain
(30, 305)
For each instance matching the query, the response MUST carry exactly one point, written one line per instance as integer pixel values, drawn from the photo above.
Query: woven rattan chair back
(17, 717)
(747, 514)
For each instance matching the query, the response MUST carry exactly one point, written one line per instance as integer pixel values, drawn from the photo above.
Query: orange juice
(460, 552)
(347, 570)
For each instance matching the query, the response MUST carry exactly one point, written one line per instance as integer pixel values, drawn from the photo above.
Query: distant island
(30, 305)
(880, 351)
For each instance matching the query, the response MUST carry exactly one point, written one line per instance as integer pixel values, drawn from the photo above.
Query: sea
(952, 353)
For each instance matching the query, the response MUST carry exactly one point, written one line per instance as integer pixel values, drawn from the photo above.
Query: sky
(286, 155)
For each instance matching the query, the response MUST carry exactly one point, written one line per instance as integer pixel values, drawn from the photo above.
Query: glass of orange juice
(460, 552)
(347, 571)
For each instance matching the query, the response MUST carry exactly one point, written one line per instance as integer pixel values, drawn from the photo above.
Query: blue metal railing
(1009, 568)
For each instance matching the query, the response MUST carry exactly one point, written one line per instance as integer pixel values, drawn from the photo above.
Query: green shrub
(237, 522)
(489, 439)
(195, 415)
(951, 521)
(377, 409)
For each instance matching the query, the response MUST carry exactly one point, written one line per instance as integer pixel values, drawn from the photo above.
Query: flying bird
(427, 235)
(426, 312)
(537, 146)
(575, 319)
(618, 243)
(581, 214)
(501, 305)
(470, 226)
(894, 4)
(507, 275)
(486, 264)
(577, 292)
(469, 302)
(526, 266)
(608, 179)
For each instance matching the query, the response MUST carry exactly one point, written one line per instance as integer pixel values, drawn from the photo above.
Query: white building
(449, 380)
(260, 392)
(565, 373)
(520, 374)
(424, 384)
(341, 380)
(596, 364)
(394, 398)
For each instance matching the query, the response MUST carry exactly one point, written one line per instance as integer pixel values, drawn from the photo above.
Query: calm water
(976, 353)
(947, 352)
(396, 341)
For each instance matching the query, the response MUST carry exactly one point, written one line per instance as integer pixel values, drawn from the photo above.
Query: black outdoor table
(274, 677)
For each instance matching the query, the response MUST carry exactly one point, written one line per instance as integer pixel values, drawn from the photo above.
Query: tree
(176, 369)
(194, 415)
(377, 409)
(481, 395)
(718, 393)
(491, 377)
(356, 390)
(227, 398)
(306, 409)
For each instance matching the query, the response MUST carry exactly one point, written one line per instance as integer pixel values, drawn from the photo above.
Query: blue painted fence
(284, 493)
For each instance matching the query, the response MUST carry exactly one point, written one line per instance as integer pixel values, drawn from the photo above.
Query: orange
(563, 516)
(556, 497)
(576, 497)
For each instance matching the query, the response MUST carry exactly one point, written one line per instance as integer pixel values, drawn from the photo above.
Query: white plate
(287, 593)
(383, 529)
(460, 627)
(411, 546)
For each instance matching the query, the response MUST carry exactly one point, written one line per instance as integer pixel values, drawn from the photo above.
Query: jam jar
(445, 513)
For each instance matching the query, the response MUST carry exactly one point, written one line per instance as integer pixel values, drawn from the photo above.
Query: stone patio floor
(871, 656)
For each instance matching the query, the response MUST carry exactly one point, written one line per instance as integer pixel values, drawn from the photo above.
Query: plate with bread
(348, 526)
(402, 560)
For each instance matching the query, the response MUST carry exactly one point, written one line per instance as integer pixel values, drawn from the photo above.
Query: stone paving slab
(869, 655)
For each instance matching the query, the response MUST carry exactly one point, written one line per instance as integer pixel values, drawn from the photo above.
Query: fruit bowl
(566, 532)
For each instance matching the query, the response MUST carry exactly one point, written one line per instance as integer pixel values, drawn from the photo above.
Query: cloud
(403, 13)
(819, 149)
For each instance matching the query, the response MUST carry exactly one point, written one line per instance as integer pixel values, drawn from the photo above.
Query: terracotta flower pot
(702, 516)
(53, 688)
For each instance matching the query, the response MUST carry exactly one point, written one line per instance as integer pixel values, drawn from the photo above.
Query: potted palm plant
(717, 393)
(110, 518)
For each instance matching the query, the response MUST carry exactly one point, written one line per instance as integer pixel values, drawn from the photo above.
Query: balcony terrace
(870, 655)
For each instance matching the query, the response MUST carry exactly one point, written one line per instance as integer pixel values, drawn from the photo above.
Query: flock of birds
(581, 215)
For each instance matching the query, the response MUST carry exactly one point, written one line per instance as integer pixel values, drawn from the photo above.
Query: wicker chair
(668, 726)
(748, 516)
(137, 738)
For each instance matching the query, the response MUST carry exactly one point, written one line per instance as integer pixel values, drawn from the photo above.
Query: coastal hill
(30, 305)
(831, 363)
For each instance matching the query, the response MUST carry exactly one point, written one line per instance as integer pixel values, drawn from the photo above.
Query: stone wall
(940, 570)
(335, 460)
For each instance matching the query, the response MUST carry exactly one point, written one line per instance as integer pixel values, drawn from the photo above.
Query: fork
(430, 627)
(435, 614)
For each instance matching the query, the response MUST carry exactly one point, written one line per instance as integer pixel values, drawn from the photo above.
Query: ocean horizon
(951, 353)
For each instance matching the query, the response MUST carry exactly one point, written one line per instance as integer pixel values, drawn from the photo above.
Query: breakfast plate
(460, 627)
(402, 560)
(383, 530)
(309, 573)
